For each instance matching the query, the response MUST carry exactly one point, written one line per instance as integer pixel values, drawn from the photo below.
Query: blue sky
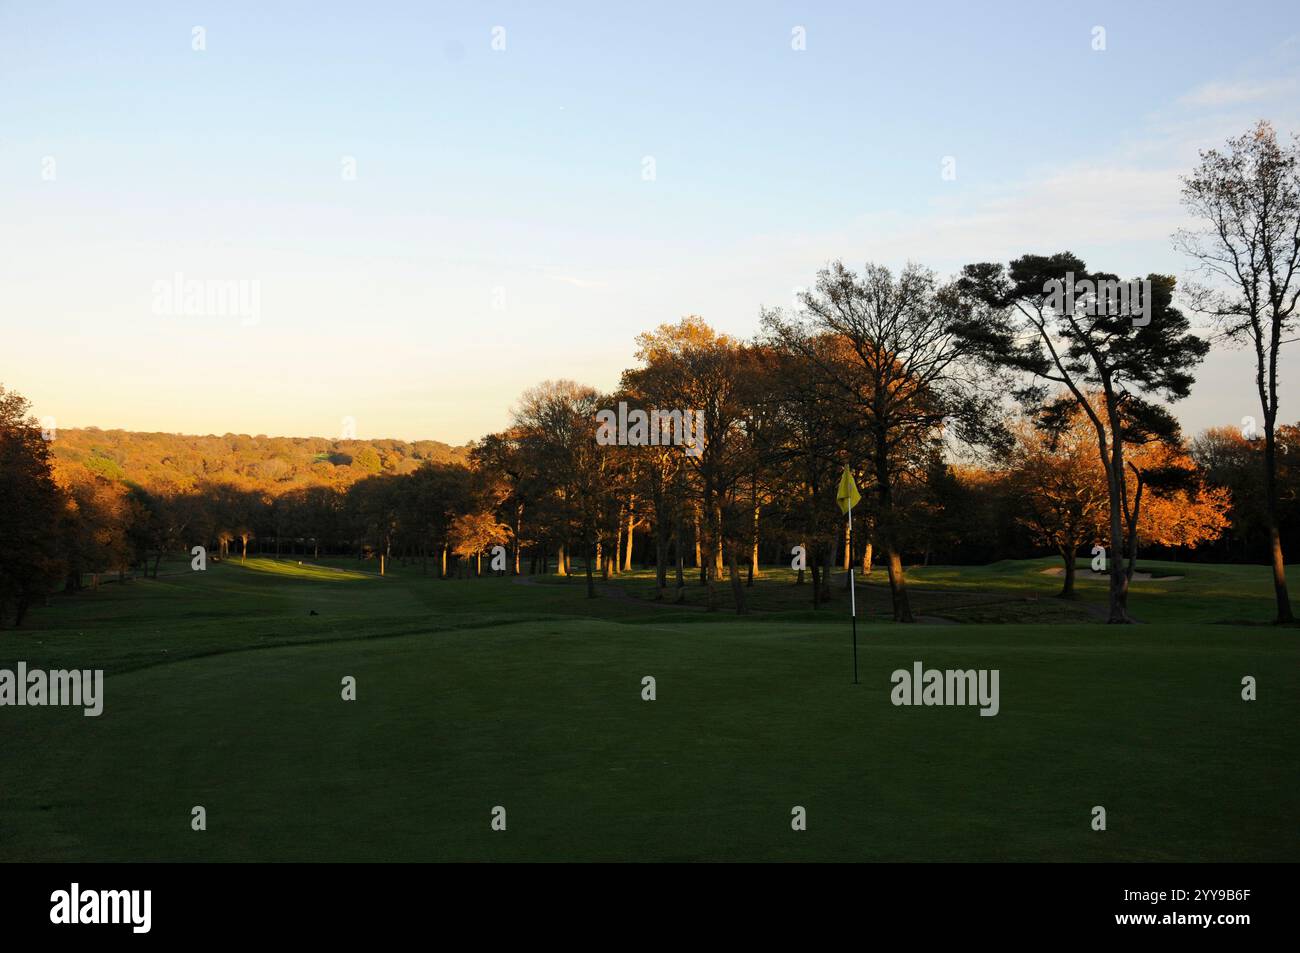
(499, 230)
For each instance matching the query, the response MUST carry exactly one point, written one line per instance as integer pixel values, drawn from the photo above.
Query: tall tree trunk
(719, 542)
(711, 542)
(866, 558)
(737, 588)
(887, 528)
(679, 558)
(618, 545)
(561, 561)
(1133, 530)
(699, 555)
(1118, 593)
(898, 585)
(631, 533)
(1068, 553)
(661, 549)
(519, 534)
(1281, 596)
(826, 573)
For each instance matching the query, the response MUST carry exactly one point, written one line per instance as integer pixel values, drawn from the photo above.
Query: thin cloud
(576, 281)
(1235, 94)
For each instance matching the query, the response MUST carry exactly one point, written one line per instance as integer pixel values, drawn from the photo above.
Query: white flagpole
(853, 605)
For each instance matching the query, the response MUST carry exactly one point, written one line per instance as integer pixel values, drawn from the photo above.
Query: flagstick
(853, 605)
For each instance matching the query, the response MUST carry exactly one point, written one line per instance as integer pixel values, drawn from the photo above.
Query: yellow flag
(847, 495)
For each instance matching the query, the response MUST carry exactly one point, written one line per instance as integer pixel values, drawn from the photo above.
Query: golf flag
(847, 495)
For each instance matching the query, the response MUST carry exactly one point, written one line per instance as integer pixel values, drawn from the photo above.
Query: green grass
(223, 690)
(1240, 595)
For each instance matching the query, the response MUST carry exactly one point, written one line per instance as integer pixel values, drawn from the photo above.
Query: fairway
(222, 689)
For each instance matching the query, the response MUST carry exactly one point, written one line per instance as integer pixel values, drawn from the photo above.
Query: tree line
(982, 417)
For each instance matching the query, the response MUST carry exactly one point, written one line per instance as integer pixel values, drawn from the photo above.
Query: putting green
(223, 691)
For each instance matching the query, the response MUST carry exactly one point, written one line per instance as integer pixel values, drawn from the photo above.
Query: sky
(430, 207)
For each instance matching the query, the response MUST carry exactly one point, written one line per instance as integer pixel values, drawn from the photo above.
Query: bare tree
(1248, 253)
(911, 370)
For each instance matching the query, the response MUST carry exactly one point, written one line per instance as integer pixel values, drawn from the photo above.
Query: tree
(912, 369)
(98, 523)
(1248, 249)
(501, 454)
(367, 460)
(812, 433)
(655, 473)
(555, 423)
(1231, 462)
(1180, 509)
(710, 374)
(1055, 473)
(1087, 343)
(375, 505)
(31, 562)
(432, 497)
(472, 534)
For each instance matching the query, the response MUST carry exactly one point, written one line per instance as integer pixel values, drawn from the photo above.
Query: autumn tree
(556, 424)
(472, 534)
(30, 516)
(502, 456)
(1171, 502)
(709, 374)
(660, 470)
(430, 500)
(374, 505)
(1055, 474)
(97, 523)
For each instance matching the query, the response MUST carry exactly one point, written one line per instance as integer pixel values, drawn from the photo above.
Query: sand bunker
(1089, 574)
